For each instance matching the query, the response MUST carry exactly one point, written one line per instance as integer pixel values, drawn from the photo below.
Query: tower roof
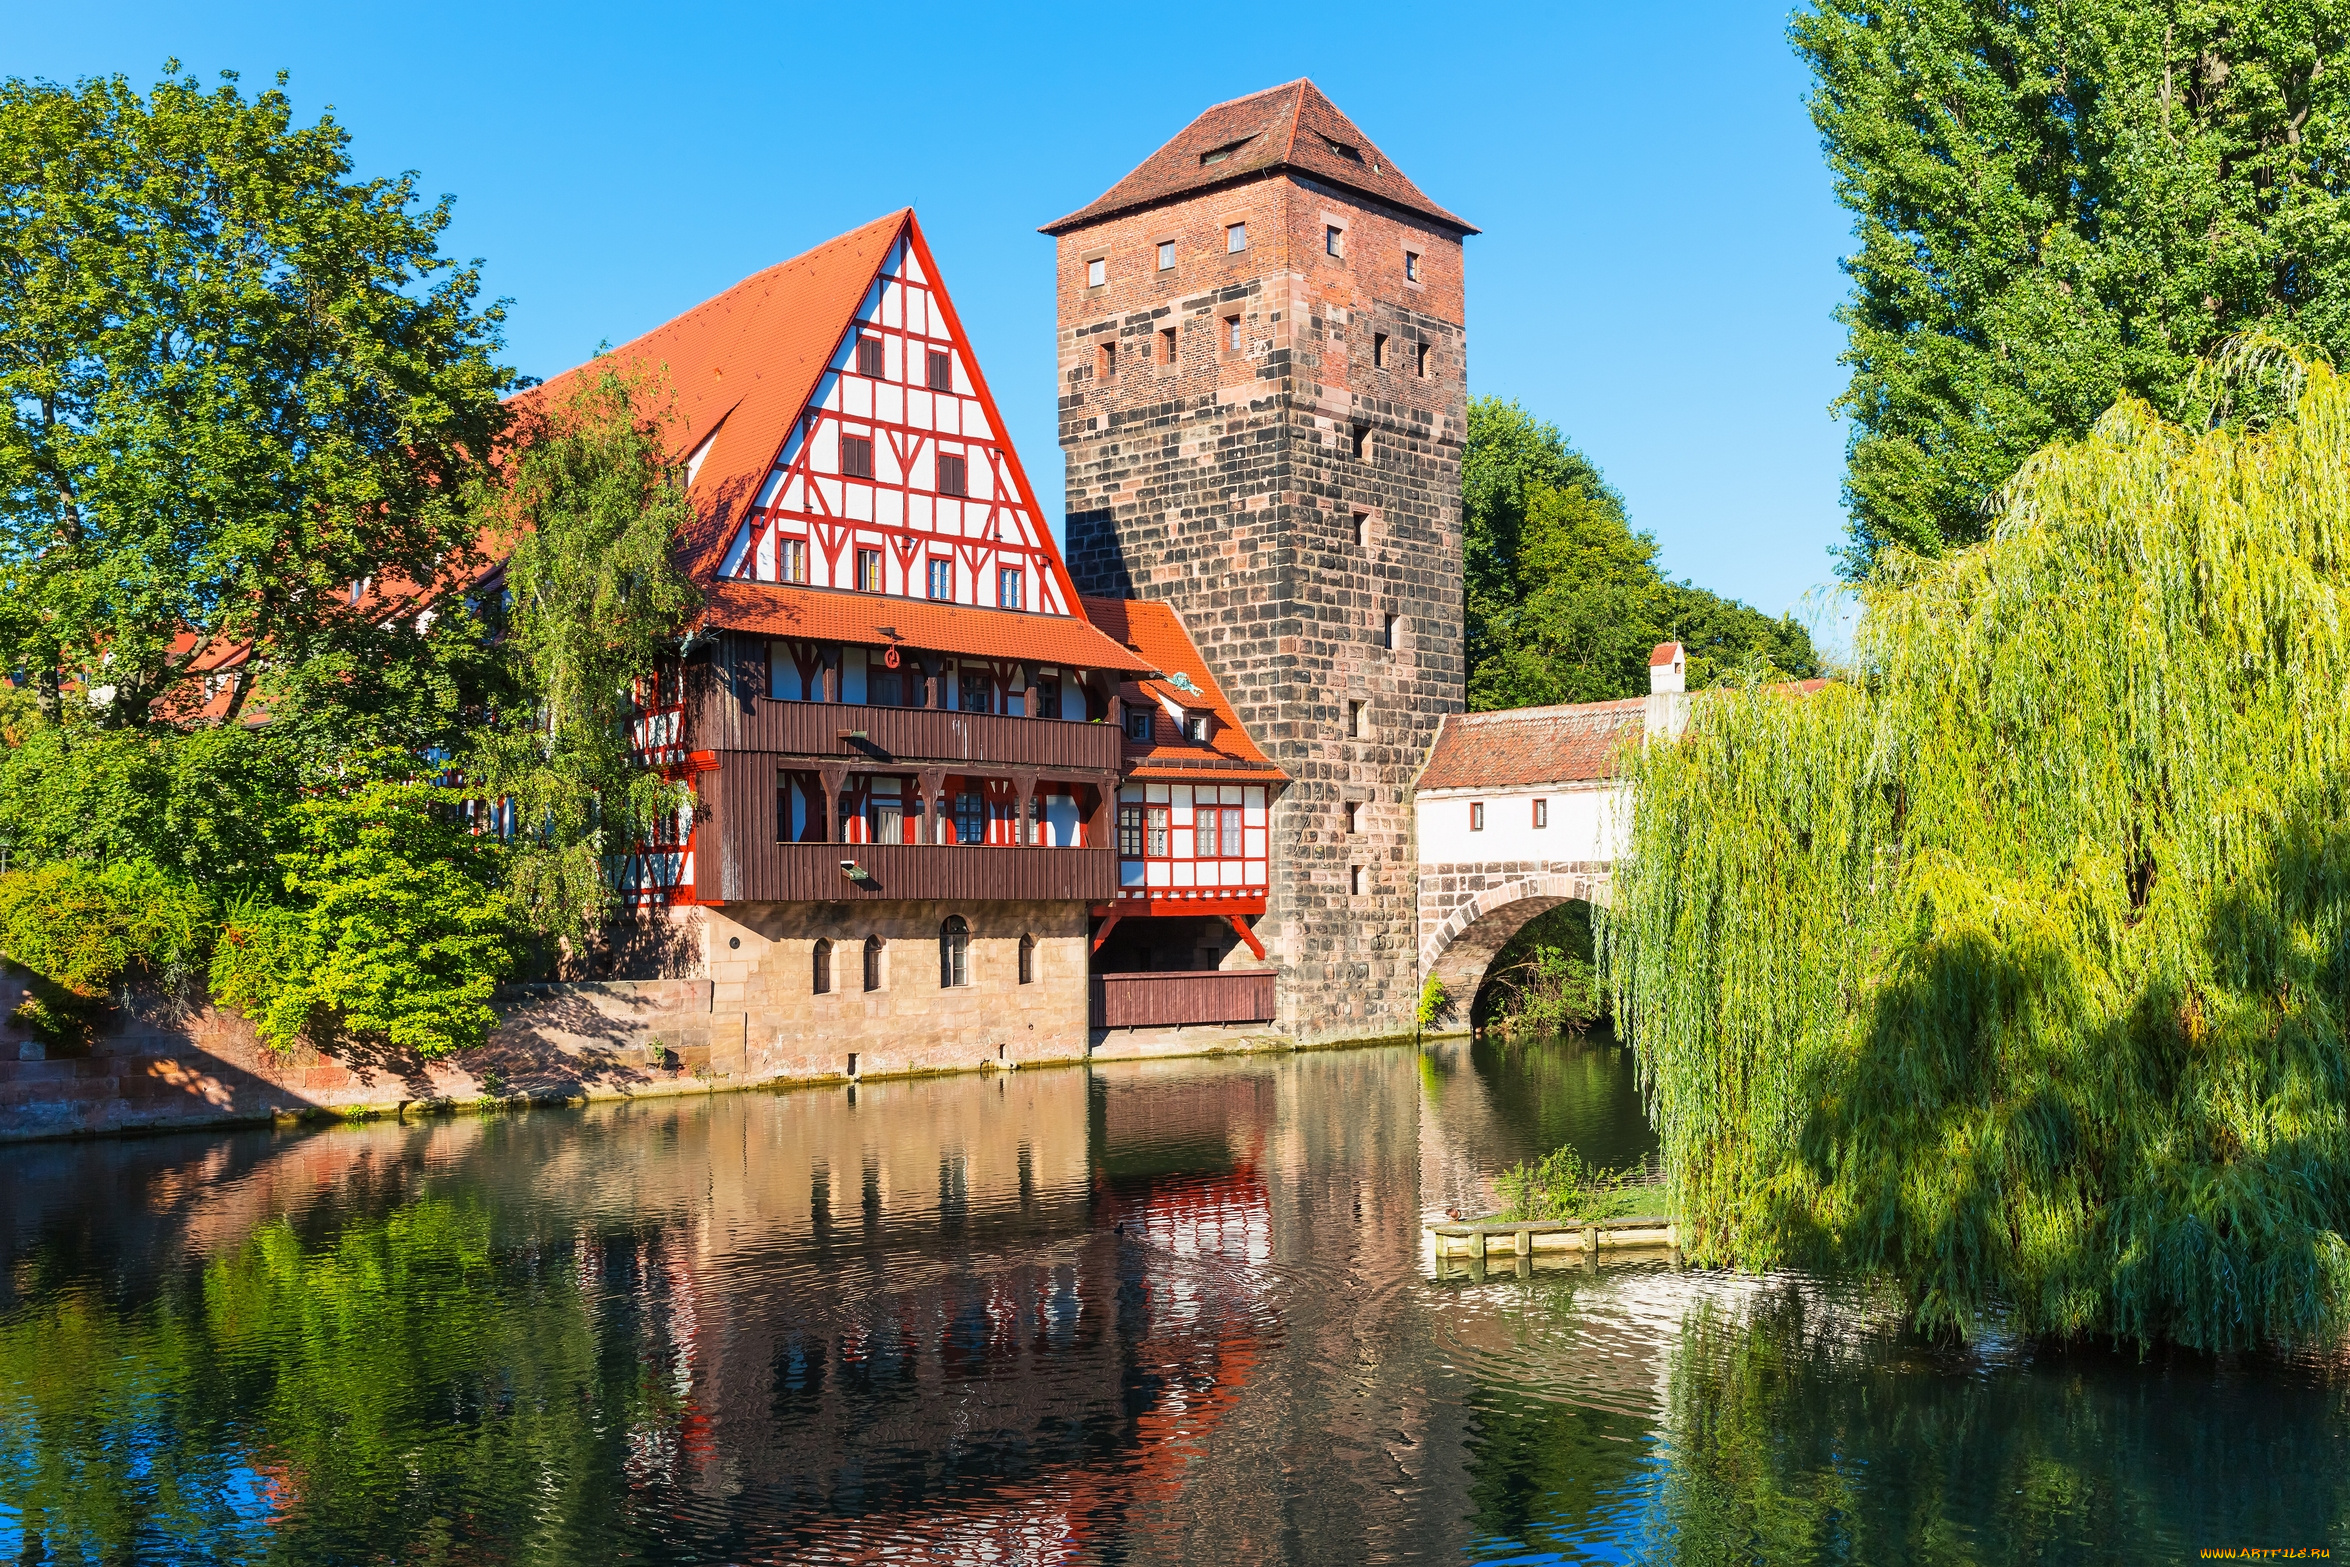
(1292, 126)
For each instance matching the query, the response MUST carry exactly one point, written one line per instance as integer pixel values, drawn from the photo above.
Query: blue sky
(1655, 275)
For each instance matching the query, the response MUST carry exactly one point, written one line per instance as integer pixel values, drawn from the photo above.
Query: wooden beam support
(1248, 936)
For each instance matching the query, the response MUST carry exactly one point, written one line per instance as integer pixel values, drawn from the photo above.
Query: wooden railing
(812, 872)
(909, 734)
(1168, 998)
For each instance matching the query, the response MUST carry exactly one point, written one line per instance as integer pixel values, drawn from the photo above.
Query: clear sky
(1655, 275)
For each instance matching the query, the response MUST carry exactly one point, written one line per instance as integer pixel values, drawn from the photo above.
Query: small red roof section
(1157, 636)
(834, 615)
(743, 365)
(1665, 653)
(1287, 127)
(1522, 746)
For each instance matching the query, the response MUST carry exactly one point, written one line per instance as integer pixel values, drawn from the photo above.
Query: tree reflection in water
(1163, 1314)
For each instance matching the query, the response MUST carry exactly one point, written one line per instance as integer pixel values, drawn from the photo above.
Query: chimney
(1668, 692)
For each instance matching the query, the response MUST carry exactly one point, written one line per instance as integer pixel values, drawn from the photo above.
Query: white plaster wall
(1589, 823)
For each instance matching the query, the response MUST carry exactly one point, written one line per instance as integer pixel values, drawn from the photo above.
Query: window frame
(1027, 957)
(942, 567)
(961, 473)
(1334, 241)
(1411, 267)
(878, 581)
(1541, 812)
(1166, 255)
(1097, 269)
(954, 953)
(791, 560)
(1138, 717)
(1130, 830)
(855, 453)
(1010, 588)
(872, 358)
(820, 964)
(1169, 346)
(975, 811)
(1476, 816)
(1236, 238)
(873, 974)
(938, 371)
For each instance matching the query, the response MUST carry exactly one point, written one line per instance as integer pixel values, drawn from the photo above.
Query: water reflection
(1165, 1313)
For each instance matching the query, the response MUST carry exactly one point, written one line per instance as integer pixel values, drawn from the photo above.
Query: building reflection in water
(1157, 1313)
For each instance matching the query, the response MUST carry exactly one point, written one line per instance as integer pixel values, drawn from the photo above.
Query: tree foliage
(595, 599)
(2058, 204)
(2018, 972)
(392, 925)
(1565, 601)
(236, 381)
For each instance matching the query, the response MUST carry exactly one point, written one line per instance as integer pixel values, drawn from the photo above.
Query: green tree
(393, 926)
(595, 603)
(2057, 204)
(236, 382)
(2018, 971)
(1565, 600)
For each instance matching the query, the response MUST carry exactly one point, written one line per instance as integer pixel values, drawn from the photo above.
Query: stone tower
(1263, 403)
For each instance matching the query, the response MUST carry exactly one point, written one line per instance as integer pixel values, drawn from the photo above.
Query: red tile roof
(1665, 653)
(742, 366)
(1533, 745)
(1157, 635)
(836, 615)
(1287, 127)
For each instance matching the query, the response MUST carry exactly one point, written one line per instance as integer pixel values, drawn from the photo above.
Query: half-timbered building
(907, 740)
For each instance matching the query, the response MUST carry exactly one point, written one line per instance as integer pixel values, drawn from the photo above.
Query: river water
(1141, 1313)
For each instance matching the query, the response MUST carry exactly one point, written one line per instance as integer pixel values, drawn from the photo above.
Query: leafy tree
(394, 926)
(596, 601)
(1565, 600)
(2058, 204)
(2018, 972)
(236, 382)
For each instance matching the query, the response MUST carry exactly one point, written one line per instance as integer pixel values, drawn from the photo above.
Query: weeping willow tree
(594, 600)
(2016, 970)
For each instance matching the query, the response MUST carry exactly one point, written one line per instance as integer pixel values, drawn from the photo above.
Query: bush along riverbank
(2015, 970)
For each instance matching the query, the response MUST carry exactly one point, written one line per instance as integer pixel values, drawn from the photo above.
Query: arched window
(1027, 960)
(872, 962)
(954, 952)
(823, 975)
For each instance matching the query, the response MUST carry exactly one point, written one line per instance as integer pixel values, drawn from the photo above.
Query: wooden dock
(1482, 1240)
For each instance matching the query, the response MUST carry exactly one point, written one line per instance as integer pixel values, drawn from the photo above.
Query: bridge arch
(1460, 946)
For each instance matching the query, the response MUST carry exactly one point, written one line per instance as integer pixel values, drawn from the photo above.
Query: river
(1159, 1313)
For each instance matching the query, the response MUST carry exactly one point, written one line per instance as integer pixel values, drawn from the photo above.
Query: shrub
(1562, 1186)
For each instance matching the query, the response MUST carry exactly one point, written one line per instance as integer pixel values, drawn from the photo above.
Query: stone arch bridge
(1469, 911)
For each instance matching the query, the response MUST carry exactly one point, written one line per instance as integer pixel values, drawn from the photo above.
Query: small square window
(1097, 272)
(1333, 240)
(1195, 726)
(1420, 360)
(1235, 238)
(869, 571)
(1166, 255)
(940, 375)
(1105, 361)
(1542, 813)
(1362, 880)
(856, 456)
(942, 577)
(1007, 587)
(1379, 350)
(1166, 345)
(1362, 530)
(869, 357)
(1476, 816)
(1232, 334)
(954, 474)
(1138, 725)
(1411, 266)
(1362, 440)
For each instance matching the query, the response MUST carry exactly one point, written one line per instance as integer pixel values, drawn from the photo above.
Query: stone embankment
(157, 1065)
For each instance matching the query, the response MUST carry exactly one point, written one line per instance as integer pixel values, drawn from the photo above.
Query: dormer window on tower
(1216, 155)
(1349, 152)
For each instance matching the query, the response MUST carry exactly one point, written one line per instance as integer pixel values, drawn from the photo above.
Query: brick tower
(1263, 403)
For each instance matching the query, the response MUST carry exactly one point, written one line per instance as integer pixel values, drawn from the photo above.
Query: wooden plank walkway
(1481, 1239)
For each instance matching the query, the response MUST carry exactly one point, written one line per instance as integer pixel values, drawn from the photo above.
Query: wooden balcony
(1166, 999)
(756, 872)
(912, 735)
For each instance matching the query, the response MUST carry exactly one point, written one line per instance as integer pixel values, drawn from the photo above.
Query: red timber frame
(793, 502)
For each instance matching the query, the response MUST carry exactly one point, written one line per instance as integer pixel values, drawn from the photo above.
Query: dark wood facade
(1162, 1000)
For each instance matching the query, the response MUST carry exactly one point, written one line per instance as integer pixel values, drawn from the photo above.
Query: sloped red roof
(742, 366)
(1157, 635)
(1533, 745)
(1287, 127)
(781, 609)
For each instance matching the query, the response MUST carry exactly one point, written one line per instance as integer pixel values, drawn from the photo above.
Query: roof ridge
(1262, 92)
